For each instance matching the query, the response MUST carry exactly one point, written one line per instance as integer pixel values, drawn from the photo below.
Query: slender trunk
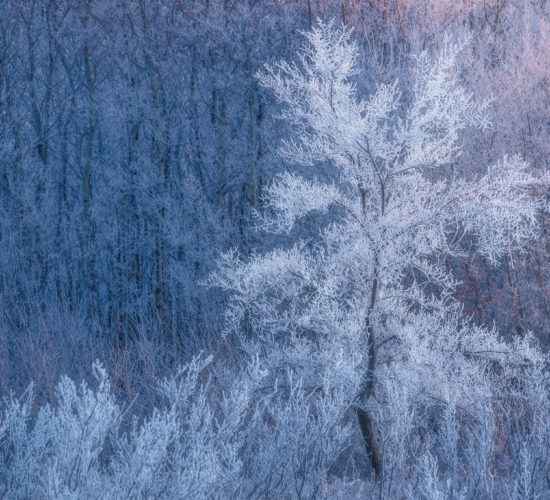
(87, 173)
(542, 286)
(364, 414)
(161, 158)
(521, 308)
(253, 149)
(86, 242)
(344, 14)
(477, 306)
(514, 285)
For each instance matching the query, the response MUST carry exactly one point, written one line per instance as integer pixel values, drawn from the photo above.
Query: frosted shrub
(77, 448)
(203, 443)
(22, 452)
(78, 427)
(296, 437)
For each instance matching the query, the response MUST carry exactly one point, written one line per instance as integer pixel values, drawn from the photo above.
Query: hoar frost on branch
(368, 299)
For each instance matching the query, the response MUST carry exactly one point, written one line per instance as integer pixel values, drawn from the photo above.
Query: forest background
(136, 143)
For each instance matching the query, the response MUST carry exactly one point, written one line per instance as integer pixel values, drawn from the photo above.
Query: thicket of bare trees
(136, 142)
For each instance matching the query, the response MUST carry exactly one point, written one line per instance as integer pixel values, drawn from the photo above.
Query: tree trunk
(371, 441)
(364, 415)
(368, 431)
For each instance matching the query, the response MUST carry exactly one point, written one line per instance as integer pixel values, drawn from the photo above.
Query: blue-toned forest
(274, 249)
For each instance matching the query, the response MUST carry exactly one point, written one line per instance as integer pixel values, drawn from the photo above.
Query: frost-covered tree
(366, 294)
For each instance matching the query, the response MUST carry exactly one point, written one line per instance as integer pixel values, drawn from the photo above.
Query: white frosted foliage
(386, 214)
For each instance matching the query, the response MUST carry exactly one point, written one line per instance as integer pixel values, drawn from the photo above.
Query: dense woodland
(274, 249)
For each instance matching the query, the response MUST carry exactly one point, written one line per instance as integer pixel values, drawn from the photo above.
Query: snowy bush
(78, 448)
(279, 443)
